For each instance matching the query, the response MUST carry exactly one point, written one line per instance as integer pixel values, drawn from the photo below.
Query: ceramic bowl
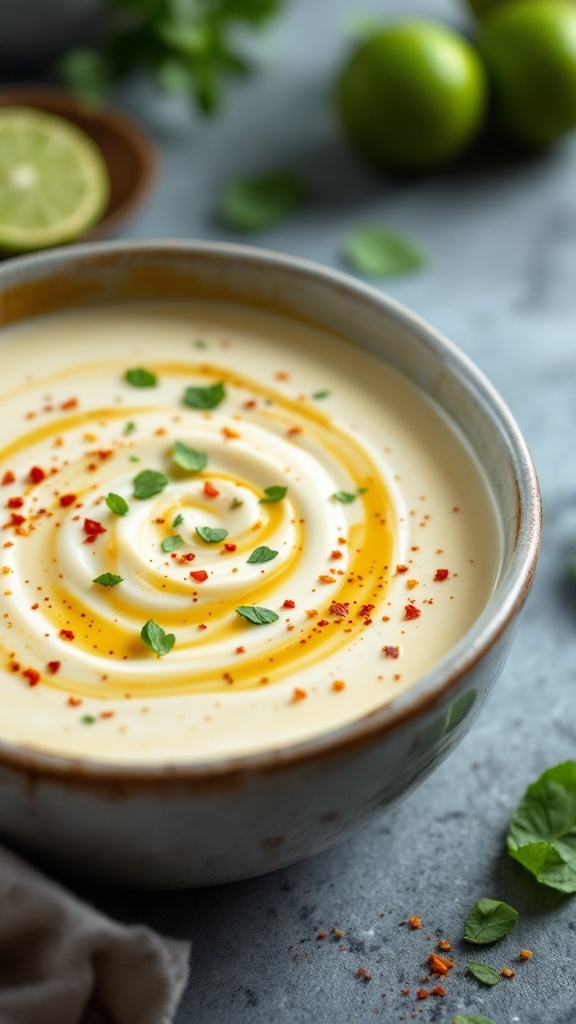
(184, 825)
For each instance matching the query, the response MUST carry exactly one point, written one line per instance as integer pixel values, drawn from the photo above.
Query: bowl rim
(434, 685)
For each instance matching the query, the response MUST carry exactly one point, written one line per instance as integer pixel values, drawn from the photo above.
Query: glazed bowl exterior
(202, 824)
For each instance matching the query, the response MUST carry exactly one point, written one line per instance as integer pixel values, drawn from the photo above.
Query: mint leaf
(154, 637)
(488, 921)
(205, 398)
(258, 616)
(129, 428)
(380, 252)
(172, 542)
(188, 458)
(108, 579)
(141, 378)
(261, 554)
(117, 504)
(148, 483)
(487, 975)
(321, 394)
(211, 534)
(344, 496)
(178, 519)
(88, 719)
(542, 830)
(461, 1018)
(257, 203)
(272, 494)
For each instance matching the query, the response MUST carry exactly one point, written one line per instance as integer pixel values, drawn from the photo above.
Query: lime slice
(53, 180)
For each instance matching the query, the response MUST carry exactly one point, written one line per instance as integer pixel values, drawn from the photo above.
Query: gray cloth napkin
(63, 962)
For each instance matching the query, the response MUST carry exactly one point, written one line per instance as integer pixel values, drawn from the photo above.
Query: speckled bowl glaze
(192, 825)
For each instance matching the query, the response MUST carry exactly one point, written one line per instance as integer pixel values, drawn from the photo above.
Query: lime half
(53, 180)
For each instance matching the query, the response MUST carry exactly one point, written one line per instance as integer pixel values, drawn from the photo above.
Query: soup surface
(224, 532)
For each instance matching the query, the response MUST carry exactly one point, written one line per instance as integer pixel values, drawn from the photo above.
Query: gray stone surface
(501, 235)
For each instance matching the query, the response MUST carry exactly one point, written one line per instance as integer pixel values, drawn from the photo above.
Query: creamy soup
(223, 532)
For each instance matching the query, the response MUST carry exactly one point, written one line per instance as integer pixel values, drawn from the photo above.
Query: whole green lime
(412, 96)
(529, 47)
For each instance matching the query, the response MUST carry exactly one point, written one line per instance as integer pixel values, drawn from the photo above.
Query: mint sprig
(188, 458)
(488, 921)
(261, 554)
(148, 483)
(542, 830)
(211, 534)
(117, 504)
(154, 637)
(256, 615)
(139, 377)
(205, 397)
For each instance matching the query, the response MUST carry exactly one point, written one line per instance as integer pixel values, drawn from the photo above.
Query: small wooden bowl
(129, 154)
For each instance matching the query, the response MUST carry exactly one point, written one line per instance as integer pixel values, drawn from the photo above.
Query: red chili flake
(391, 652)
(325, 578)
(289, 604)
(230, 547)
(240, 650)
(36, 475)
(338, 685)
(105, 453)
(8, 478)
(412, 612)
(53, 666)
(438, 990)
(441, 574)
(14, 502)
(363, 973)
(365, 610)
(200, 575)
(34, 606)
(229, 434)
(202, 625)
(74, 702)
(506, 972)
(209, 490)
(401, 568)
(188, 558)
(298, 694)
(422, 993)
(336, 554)
(107, 714)
(322, 622)
(32, 676)
(415, 921)
(250, 404)
(440, 964)
(294, 430)
(92, 527)
(16, 519)
(340, 608)
(70, 403)
(67, 499)
(67, 634)
(13, 666)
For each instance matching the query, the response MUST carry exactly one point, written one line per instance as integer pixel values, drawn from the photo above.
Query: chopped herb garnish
(211, 534)
(108, 579)
(273, 494)
(141, 378)
(379, 252)
(262, 554)
(205, 398)
(345, 497)
(236, 503)
(461, 1018)
(199, 343)
(487, 975)
(257, 203)
(148, 483)
(178, 519)
(542, 830)
(133, 458)
(488, 921)
(321, 394)
(117, 504)
(154, 637)
(172, 542)
(129, 428)
(258, 616)
(88, 719)
(188, 458)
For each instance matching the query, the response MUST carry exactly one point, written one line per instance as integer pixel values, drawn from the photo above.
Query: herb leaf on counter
(258, 616)
(108, 579)
(461, 1018)
(154, 637)
(382, 252)
(487, 975)
(211, 534)
(542, 830)
(188, 458)
(138, 377)
(205, 398)
(272, 494)
(261, 554)
(148, 483)
(488, 921)
(117, 504)
(257, 203)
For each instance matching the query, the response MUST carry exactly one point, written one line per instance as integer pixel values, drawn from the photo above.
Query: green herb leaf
(258, 616)
(236, 503)
(148, 483)
(380, 252)
(487, 975)
(171, 543)
(461, 1018)
(141, 378)
(129, 428)
(542, 830)
(262, 554)
(133, 458)
(488, 921)
(154, 637)
(108, 579)
(116, 504)
(198, 343)
(272, 494)
(88, 719)
(178, 519)
(211, 534)
(321, 394)
(345, 497)
(257, 203)
(188, 458)
(205, 398)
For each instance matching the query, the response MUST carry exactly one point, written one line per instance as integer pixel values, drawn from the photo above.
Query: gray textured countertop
(501, 235)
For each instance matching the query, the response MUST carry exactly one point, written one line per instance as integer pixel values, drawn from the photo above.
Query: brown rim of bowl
(128, 152)
(433, 687)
